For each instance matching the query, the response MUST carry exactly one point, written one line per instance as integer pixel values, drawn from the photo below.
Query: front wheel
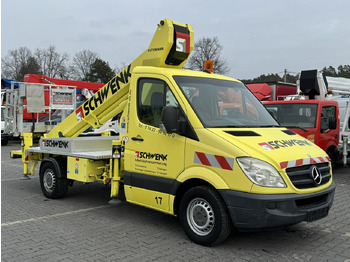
(333, 155)
(204, 216)
(52, 184)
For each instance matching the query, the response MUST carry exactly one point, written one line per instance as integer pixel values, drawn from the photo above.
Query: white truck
(340, 90)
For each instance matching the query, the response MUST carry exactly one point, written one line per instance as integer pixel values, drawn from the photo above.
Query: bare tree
(81, 64)
(52, 63)
(208, 48)
(17, 63)
(120, 67)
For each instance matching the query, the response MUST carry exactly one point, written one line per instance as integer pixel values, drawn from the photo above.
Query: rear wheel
(52, 184)
(204, 217)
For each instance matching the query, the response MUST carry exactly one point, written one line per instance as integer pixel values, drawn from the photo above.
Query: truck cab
(316, 120)
(178, 136)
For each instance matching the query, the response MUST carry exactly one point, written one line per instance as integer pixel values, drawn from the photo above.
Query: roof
(6, 83)
(261, 91)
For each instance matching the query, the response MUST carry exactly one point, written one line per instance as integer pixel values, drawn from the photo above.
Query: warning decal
(213, 160)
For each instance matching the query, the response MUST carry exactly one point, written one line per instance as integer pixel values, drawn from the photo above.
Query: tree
(31, 67)
(208, 48)
(52, 64)
(81, 64)
(100, 72)
(120, 67)
(19, 62)
(271, 78)
(329, 71)
(264, 79)
(344, 71)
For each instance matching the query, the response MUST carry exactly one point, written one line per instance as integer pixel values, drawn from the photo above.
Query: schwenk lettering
(54, 143)
(112, 87)
(146, 155)
(288, 143)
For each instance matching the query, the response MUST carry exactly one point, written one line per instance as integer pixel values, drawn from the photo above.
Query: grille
(308, 203)
(301, 176)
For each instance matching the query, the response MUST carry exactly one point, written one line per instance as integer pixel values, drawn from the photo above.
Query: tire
(332, 154)
(204, 216)
(4, 142)
(52, 184)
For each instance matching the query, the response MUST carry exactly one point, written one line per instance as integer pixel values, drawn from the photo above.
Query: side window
(327, 114)
(152, 96)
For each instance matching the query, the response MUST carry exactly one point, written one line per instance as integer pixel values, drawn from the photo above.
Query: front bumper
(261, 211)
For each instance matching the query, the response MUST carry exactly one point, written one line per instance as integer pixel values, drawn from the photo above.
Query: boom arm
(170, 47)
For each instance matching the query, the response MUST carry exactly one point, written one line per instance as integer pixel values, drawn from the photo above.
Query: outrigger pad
(16, 154)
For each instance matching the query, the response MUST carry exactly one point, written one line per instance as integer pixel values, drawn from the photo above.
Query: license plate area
(317, 214)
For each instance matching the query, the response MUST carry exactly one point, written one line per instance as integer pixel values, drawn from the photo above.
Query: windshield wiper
(228, 126)
(269, 126)
(243, 126)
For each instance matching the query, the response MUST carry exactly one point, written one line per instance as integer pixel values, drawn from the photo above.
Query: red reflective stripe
(223, 162)
(299, 162)
(203, 159)
(284, 164)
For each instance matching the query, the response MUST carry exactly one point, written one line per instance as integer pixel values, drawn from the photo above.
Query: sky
(258, 37)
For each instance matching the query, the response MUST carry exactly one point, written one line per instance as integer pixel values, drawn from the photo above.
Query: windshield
(223, 103)
(294, 115)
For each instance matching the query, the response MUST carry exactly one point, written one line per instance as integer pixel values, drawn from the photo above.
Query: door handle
(137, 139)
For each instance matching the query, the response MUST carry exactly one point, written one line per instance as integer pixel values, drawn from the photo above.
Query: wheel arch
(59, 162)
(332, 152)
(193, 177)
(53, 177)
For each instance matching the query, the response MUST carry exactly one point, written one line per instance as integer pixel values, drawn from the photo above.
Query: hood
(278, 146)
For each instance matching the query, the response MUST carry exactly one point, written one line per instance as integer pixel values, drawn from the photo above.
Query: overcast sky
(258, 36)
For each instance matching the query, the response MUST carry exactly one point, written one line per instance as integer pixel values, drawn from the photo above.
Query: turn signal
(311, 138)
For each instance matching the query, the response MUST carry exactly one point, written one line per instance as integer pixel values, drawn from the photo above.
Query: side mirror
(171, 120)
(332, 123)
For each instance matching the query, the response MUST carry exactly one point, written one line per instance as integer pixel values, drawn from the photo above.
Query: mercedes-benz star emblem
(316, 175)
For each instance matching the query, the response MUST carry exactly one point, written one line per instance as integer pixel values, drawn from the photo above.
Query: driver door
(153, 158)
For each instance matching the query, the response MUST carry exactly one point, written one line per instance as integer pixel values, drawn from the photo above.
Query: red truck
(316, 120)
(307, 110)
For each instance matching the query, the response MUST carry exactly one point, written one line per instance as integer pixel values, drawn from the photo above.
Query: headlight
(260, 172)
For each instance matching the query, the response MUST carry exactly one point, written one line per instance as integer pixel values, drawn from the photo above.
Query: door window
(327, 113)
(152, 96)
